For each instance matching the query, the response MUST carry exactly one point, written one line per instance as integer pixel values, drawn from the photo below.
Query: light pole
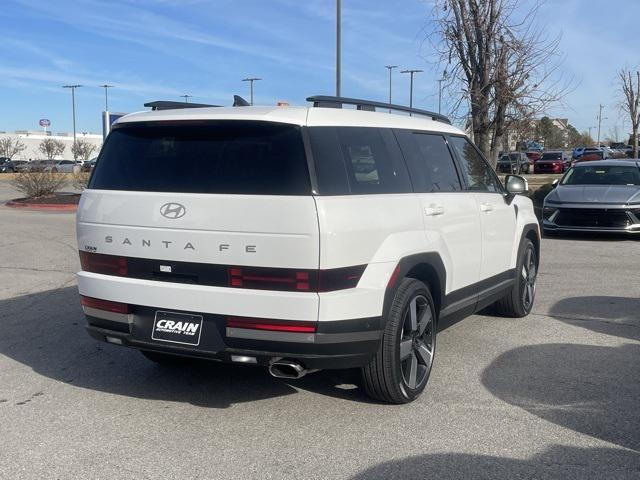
(338, 44)
(589, 128)
(599, 124)
(440, 80)
(390, 67)
(106, 96)
(411, 72)
(73, 107)
(251, 80)
(186, 97)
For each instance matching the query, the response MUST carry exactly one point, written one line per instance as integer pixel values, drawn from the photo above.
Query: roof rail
(170, 105)
(328, 101)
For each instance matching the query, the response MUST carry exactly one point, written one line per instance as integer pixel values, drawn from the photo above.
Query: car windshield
(603, 175)
(552, 156)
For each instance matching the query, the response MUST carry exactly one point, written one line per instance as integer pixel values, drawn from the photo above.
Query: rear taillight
(340, 278)
(295, 280)
(272, 279)
(271, 325)
(107, 305)
(105, 264)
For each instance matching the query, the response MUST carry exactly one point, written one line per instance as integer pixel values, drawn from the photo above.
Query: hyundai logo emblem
(172, 210)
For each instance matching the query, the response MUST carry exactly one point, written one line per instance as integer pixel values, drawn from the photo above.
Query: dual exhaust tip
(288, 369)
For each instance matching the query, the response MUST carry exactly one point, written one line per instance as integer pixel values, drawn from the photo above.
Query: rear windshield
(231, 157)
(603, 175)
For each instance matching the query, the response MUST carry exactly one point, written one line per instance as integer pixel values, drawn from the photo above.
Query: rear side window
(476, 171)
(231, 157)
(430, 162)
(357, 160)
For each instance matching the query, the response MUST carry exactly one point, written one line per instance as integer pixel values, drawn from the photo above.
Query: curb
(45, 207)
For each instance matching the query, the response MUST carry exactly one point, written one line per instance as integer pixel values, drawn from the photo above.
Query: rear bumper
(334, 345)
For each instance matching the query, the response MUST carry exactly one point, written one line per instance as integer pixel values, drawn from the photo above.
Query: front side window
(429, 160)
(475, 170)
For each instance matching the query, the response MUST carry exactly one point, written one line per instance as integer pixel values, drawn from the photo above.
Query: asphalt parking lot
(554, 395)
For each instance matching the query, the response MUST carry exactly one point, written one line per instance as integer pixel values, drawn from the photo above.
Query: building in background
(32, 140)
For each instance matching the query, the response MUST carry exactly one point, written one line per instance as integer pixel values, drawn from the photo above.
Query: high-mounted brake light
(104, 264)
(271, 325)
(107, 305)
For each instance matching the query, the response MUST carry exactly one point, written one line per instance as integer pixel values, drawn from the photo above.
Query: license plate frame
(181, 329)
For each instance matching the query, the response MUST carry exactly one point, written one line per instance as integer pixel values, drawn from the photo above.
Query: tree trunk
(635, 141)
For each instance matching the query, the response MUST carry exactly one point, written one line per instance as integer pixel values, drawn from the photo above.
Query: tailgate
(251, 230)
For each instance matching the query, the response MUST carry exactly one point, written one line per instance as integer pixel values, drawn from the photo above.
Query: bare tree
(501, 61)
(51, 148)
(10, 147)
(630, 85)
(83, 149)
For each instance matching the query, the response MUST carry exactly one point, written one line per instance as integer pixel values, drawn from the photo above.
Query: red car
(551, 162)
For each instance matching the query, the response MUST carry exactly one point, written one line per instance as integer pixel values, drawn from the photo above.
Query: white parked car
(63, 166)
(300, 238)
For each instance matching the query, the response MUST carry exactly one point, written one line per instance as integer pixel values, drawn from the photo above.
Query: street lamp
(390, 67)
(106, 96)
(411, 72)
(73, 107)
(186, 98)
(251, 80)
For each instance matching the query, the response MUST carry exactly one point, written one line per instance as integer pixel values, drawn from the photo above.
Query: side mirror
(555, 182)
(515, 184)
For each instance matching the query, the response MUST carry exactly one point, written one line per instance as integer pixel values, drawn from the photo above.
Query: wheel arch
(426, 267)
(531, 232)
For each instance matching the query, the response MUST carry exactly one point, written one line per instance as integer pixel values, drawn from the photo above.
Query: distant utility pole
(599, 123)
(73, 107)
(338, 44)
(106, 96)
(440, 80)
(390, 67)
(411, 72)
(251, 80)
(186, 98)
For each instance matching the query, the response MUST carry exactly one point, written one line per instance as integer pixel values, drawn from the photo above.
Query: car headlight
(547, 212)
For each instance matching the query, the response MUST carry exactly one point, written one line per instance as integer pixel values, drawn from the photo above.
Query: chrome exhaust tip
(287, 369)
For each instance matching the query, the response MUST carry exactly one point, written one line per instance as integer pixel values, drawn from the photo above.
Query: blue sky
(161, 49)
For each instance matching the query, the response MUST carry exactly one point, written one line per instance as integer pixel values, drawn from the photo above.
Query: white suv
(300, 238)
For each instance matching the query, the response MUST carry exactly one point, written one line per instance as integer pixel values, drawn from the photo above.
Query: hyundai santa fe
(300, 238)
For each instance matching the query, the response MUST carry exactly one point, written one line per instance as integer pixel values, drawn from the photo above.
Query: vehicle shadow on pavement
(46, 332)
(590, 389)
(557, 462)
(619, 316)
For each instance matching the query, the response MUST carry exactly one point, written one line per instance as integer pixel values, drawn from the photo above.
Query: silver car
(602, 196)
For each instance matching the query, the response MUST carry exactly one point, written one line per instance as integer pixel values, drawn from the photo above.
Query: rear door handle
(486, 207)
(434, 210)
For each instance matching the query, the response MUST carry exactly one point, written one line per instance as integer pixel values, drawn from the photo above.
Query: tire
(400, 370)
(163, 359)
(519, 301)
